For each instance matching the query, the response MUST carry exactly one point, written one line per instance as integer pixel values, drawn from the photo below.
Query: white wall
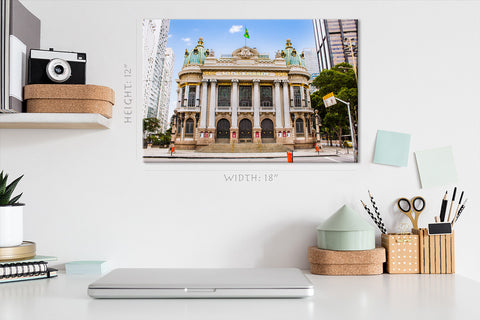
(89, 196)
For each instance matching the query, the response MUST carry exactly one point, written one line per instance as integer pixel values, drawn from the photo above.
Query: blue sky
(224, 36)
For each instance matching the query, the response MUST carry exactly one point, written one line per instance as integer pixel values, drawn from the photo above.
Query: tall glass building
(336, 41)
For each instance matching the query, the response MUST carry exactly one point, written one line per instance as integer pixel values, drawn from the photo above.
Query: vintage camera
(49, 66)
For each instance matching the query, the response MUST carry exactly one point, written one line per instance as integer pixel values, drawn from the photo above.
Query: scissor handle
(404, 201)
(422, 204)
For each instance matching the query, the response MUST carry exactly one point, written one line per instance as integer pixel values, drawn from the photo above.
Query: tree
(150, 128)
(342, 82)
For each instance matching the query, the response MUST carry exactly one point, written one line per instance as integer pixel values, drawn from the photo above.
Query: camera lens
(59, 69)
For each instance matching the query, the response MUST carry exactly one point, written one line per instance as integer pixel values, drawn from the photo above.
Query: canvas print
(250, 90)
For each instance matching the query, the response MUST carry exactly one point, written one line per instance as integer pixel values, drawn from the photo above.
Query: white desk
(369, 297)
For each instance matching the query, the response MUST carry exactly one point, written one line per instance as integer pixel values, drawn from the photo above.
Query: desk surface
(367, 297)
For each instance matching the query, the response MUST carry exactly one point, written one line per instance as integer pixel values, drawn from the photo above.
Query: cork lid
(69, 91)
(345, 219)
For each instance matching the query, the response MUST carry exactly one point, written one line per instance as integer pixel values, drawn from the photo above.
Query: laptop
(202, 283)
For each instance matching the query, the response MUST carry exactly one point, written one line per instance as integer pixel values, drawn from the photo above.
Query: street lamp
(354, 141)
(317, 128)
(350, 47)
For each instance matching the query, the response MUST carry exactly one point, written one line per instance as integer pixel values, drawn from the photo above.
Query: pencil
(451, 204)
(444, 207)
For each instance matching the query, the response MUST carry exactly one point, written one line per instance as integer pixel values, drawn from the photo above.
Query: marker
(444, 207)
(451, 204)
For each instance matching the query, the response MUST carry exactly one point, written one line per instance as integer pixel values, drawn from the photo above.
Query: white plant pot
(11, 226)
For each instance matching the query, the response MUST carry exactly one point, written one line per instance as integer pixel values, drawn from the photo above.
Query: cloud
(170, 35)
(235, 29)
(187, 41)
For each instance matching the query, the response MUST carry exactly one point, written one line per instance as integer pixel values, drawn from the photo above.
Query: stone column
(185, 96)
(309, 102)
(286, 105)
(203, 105)
(292, 97)
(213, 103)
(234, 103)
(278, 106)
(197, 95)
(256, 103)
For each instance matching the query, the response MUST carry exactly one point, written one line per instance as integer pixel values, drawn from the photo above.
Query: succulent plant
(7, 191)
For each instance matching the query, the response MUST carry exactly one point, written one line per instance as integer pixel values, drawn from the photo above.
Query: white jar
(11, 226)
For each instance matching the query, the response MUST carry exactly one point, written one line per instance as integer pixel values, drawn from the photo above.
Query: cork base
(346, 269)
(358, 262)
(64, 98)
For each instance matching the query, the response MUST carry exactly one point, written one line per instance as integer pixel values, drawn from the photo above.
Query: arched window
(189, 124)
(299, 126)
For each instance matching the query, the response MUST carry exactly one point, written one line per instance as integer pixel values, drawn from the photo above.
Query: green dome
(197, 55)
(292, 58)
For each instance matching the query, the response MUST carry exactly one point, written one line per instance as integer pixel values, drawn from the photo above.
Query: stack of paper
(86, 267)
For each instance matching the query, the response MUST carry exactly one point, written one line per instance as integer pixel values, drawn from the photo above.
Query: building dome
(197, 55)
(292, 58)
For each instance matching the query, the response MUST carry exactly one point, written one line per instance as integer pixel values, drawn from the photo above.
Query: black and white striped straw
(379, 218)
(379, 225)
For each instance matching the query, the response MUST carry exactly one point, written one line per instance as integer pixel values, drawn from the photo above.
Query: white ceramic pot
(11, 226)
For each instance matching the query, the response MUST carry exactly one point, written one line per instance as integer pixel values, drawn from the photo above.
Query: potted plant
(11, 213)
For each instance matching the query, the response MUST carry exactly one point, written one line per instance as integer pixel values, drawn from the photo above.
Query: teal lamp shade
(345, 230)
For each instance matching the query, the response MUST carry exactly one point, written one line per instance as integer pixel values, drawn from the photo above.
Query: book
(49, 273)
(35, 268)
(20, 32)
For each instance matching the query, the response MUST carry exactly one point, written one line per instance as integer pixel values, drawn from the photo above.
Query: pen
(458, 207)
(444, 207)
(451, 204)
(459, 212)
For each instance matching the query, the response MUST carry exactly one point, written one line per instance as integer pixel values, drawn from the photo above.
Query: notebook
(202, 283)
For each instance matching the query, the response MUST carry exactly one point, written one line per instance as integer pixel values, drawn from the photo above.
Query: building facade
(155, 34)
(245, 97)
(336, 41)
(165, 89)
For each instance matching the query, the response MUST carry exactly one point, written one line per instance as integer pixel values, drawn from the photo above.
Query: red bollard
(290, 156)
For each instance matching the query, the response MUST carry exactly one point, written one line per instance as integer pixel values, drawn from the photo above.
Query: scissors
(417, 205)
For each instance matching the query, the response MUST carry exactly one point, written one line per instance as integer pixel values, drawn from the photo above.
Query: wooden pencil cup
(402, 252)
(437, 252)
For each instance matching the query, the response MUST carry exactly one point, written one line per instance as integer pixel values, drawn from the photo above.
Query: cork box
(437, 252)
(402, 252)
(69, 98)
(356, 262)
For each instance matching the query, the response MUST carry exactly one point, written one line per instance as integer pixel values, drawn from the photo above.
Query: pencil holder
(402, 252)
(437, 252)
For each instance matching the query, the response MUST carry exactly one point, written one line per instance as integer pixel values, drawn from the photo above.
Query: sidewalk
(192, 154)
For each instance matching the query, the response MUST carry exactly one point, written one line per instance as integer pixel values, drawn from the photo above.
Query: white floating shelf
(54, 121)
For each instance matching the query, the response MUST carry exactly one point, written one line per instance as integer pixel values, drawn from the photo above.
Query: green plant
(6, 191)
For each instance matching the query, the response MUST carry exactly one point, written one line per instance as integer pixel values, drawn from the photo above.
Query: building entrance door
(268, 135)
(223, 131)
(245, 131)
